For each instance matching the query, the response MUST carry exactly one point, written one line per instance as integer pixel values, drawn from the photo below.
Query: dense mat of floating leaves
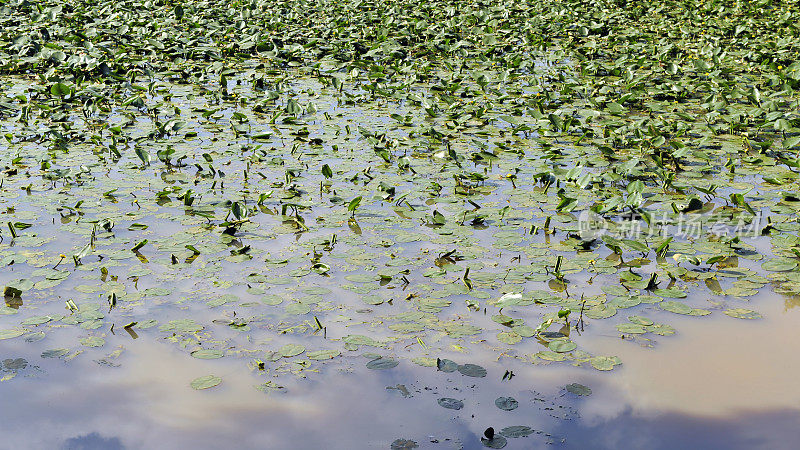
(290, 181)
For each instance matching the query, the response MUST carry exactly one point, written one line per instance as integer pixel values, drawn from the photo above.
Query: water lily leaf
(205, 382)
(403, 444)
(682, 308)
(509, 337)
(670, 293)
(604, 362)
(38, 320)
(55, 353)
(450, 403)
(506, 403)
(60, 90)
(517, 431)
(562, 346)
(382, 363)
(207, 354)
(632, 328)
(290, 350)
(93, 341)
(11, 333)
(742, 313)
(472, 370)
(524, 331)
(445, 365)
(639, 320)
(779, 265)
(322, 354)
(579, 389)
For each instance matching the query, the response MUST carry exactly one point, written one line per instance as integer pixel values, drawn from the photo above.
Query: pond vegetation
(303, 188)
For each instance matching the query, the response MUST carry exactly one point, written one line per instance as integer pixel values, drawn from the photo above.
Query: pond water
(701, 388)
(319, 324)
(508, 225)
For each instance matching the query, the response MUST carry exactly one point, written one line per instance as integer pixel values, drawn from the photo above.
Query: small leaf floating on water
(579, 389)
(450, 403)
(403, 444)
(506, 403)
(207, 354)
(446, 365)
(205, 382)
(472, 370)
(516, 431)
(382, 363)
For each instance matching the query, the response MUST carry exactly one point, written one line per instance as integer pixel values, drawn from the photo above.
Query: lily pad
(93, 341)
(11, 333)
(207, 354)
(579, 389)
(382, 363)
(472, 370)
(779, 264)
(506, 403)
(205, 382)
(562, 346)
(322, 354)
(450, 403)
(517, 431)
(446, 365)
(742, 313)
(290, 350)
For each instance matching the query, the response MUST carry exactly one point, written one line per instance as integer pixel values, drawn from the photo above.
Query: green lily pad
(779, 264)
(446, 365)
(604, 362)
(506, 403)
(205, 382)
(322, 354)
(207, 354)
(450, 403)
(682, 308)
(562, 346)
(579, 389)
(382, 363)
(472, 370)
(11, 333)
(93, 341)
(290, 350)
(742, 313)
(517, 431)
(508, 337)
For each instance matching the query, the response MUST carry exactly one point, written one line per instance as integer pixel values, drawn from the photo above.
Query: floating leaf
(382, 363)
(323, 354)
(506, 403)
(779, 265)
(579, 389)
(604, 362)
(742, 313)
(450, 403)
(562, 346)
(472, 370)
(290, 350)
(517, 431)
(93, 341)
(207, 354)
(205, 382)
(11, 333)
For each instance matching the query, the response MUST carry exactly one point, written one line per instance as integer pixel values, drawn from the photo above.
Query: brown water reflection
(719, 383)
(714, 367)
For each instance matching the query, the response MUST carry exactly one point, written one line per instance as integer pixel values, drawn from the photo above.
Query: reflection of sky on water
(719, 383)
